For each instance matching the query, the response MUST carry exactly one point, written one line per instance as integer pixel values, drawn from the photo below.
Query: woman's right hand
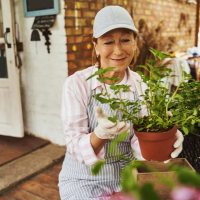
(107, 129)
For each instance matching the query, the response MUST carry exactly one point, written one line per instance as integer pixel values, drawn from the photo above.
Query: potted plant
(156, 130)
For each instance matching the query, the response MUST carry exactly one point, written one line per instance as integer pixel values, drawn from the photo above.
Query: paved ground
(29, 168)
(40, 187)
(12, 148)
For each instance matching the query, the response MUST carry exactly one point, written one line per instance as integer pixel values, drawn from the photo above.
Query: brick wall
(79, 17)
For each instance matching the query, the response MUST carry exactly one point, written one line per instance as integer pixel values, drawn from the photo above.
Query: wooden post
(1, 34)
(197, 24)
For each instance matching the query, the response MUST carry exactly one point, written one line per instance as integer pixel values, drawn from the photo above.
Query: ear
(135, 44)
(96, 48)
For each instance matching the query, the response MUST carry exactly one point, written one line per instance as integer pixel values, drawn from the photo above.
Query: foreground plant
(187, 189)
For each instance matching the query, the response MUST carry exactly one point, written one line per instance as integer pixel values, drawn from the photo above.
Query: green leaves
(129, 182)
(113, 119)
(97, 167)
(158, 54)
(114, 105)
(102, 100)
(114, 143)
(108, 69)
(100, 72)
(143, 66)
(152, 61)
(185, 130)
(188, 177)
(140, 73)
(147, 192)
(95, 74)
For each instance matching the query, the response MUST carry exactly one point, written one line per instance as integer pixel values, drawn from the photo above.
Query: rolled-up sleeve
(75, 124)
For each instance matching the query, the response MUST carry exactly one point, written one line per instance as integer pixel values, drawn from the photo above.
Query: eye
(125, 40)
(108, 43)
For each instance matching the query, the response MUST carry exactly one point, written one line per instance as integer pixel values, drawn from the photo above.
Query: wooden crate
(142, 175)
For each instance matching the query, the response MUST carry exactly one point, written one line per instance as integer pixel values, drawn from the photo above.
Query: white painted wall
(42, 77)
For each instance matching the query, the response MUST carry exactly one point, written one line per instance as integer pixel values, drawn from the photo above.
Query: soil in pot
(157, 146)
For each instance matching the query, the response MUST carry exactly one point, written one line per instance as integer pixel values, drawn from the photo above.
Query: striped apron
(75, 179)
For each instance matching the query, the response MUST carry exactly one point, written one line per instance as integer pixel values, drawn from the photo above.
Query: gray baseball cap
(111, 17)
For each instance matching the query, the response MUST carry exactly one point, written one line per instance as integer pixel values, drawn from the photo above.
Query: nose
(118, 49)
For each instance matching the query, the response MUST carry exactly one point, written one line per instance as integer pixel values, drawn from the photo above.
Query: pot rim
(156, 136)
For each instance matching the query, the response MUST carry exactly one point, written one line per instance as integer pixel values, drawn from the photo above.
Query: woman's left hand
(178, 143)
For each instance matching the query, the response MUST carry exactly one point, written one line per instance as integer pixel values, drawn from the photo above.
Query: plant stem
(172, 98)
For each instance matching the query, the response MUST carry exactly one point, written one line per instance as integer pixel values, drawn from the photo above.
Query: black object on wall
(43, 23)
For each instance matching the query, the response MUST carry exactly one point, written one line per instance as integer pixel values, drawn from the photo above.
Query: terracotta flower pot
(157, 145)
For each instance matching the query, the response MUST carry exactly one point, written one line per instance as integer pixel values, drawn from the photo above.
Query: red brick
(92, 6)
(73, 65)
(71, 56)
(86, 13)
(88, 30)
(145, 6)
(86, 63)
(150, 18)
(129, 9)
(73, 31)
(69, 4)
(109, 2)
(71, 72)
(80, 39)
(73, 47)
(147, 12)
(96, 6)
(130, 3)
(82, 22)
(70, 39)
(139, 11)
(71, 13)
(69, 22)
(87, 46)
(81, 5)
(87, 54)
(114, 2)
(80, 55)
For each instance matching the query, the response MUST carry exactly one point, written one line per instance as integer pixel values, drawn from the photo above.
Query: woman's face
(116, 49)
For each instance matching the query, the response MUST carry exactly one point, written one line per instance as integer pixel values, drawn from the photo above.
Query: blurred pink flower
(185, 193)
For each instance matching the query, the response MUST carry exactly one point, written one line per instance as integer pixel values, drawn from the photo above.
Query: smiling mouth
(118, 60)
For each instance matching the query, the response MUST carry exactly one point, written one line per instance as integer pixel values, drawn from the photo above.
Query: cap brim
(105, 30)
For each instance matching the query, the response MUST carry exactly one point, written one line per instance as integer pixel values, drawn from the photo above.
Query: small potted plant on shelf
(156, 130)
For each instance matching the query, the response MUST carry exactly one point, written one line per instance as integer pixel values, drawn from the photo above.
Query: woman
(87, 130)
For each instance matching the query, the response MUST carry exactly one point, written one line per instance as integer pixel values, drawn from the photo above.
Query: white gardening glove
(178, 143)
(107, 129)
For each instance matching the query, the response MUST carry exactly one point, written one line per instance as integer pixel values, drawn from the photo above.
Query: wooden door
(11, 123)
